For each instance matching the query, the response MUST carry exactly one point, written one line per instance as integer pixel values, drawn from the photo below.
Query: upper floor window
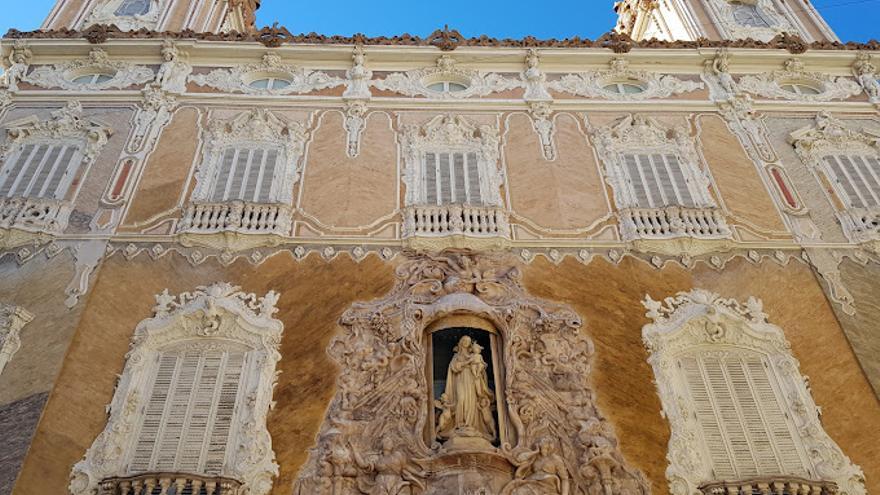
(270, 83)
(740, 413)
(447, 86)
(190, 408)
(857, 177)
(96, 78)
(130, 8)
(657, 180)
(624, 88)
(750, 15)
(452, 177)
(246, 174)
(41, 170)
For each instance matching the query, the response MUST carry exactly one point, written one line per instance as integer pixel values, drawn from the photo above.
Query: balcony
(472, 226)
(861, 224)
(170, 484)
(671, 222)
(34, 214)
(770, 486)
(236, 216)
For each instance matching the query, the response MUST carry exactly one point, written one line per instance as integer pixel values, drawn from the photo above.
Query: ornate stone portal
(380, 435)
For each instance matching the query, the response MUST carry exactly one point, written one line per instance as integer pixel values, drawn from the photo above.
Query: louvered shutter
(475, 195)
(459, 182)
(452, 177)
(445, 169)
(41, 171)
(187, 420)
(744, 427)
(657, 180)
(431, 178)
(245, 174)
(858, 177)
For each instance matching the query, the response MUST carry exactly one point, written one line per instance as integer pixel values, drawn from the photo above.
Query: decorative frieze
(701, 327)
(127, 15)
(446, 80)
(794, 82)
(12, 320)
(622, 83)
(94, 73)
(217, 317)
(272, 76)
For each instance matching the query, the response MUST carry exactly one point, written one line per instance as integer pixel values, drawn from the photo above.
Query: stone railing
(34, 214)
(170, 484)
(672, 221)
(781, 485)
(448, 220)
(236, 216)
(861, 224)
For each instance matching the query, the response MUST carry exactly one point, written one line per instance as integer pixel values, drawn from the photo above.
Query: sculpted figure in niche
(540, 472)
(466, 404)
(174, 71)
(395, 473)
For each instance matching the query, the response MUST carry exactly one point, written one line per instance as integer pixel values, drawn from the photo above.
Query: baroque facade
(242, 261)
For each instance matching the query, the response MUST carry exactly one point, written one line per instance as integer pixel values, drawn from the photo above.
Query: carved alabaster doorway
(385, 432)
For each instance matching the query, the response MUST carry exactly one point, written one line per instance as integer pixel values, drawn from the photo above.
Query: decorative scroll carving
(220, 312)
(119, 74)
(417, 82)
(700, 321)
(16, 67)
(594, 84)
(155, 112)
(12, 320)
(558, 442)
(825, 87)
(452, 132)
(539, 101)
(296, 80)
(257, 126)
(776, 23)
(66, 123)
(107, 13)
(867, 75)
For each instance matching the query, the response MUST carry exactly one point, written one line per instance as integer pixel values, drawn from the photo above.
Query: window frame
(75, 170)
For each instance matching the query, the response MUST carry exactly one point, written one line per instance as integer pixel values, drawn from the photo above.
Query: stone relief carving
(716, 73)
(155, 112)
(595, 84)
(110, 12)
(822, 87)
(356, 97)
(774, 22)
(220, 312)
(174, 71)
(474, 83)
(257, 126)
(5, 99)
(703, 321)
(12, 320)
(355, 123)
(452, 132)
(108, 74)
(294, 80)
(867, 75)
(539, 101)
(358, 85)
(558, 441)
(16, 66)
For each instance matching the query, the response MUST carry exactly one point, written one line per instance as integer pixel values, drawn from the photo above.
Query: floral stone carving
(597, 84)
(794, 82)
(289, 79)
(420, 82)
(106, 74)
(376, 434)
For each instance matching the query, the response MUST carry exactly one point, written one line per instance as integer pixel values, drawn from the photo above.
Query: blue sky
(853, 20)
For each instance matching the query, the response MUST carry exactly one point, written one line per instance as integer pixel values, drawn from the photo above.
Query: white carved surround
(12, 320)
(592, 84)
(700, 321)
(770, 84)
(416, 82)
(210, 316)
(724, 12)
(105, 13)
(240, 77)
(122, 74)
(260, 128)
(452, 133)
(829, 136)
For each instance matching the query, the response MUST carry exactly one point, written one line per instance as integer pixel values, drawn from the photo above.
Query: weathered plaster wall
(314, 293)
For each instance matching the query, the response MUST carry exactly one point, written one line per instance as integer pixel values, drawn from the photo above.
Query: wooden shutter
(452, 177)
(475, 195)
(858, 177)
(445, 176)
(744, 427)
(245, 174)
(431, 178)
(41, 171)
(187, 421)
(230, 156)
(657, 180)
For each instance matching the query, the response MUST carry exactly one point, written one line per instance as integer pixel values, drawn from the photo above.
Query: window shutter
(475, 195)
(445, 179)
(41, 171)
(461, 192)
(431, 178)
(722, 464)
(187, 421)
(267, 177)
(679, 182)
(858, 177)
(775, 417)
(657, 180)
(230, 156)
(636, 181)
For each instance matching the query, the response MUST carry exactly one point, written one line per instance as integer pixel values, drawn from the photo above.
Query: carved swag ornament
(374, 441)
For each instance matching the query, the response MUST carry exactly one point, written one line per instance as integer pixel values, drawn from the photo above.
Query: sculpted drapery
(467, 401)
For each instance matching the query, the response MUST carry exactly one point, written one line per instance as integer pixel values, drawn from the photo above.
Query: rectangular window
(744, 426)
(188, 419)
(858, 177)
(657, 181)
(452, 178)
(246, 174)
(40, 171)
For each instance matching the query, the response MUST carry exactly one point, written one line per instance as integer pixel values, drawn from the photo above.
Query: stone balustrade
(447, 220)
(34, 214)
(861, 224)
(770, 486)
(170, 484)
(237, 216)
(672, 221)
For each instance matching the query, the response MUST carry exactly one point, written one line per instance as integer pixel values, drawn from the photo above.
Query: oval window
(624, 88)
(270, 83)
(447, 87)
(96, 78)
(801, 89)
